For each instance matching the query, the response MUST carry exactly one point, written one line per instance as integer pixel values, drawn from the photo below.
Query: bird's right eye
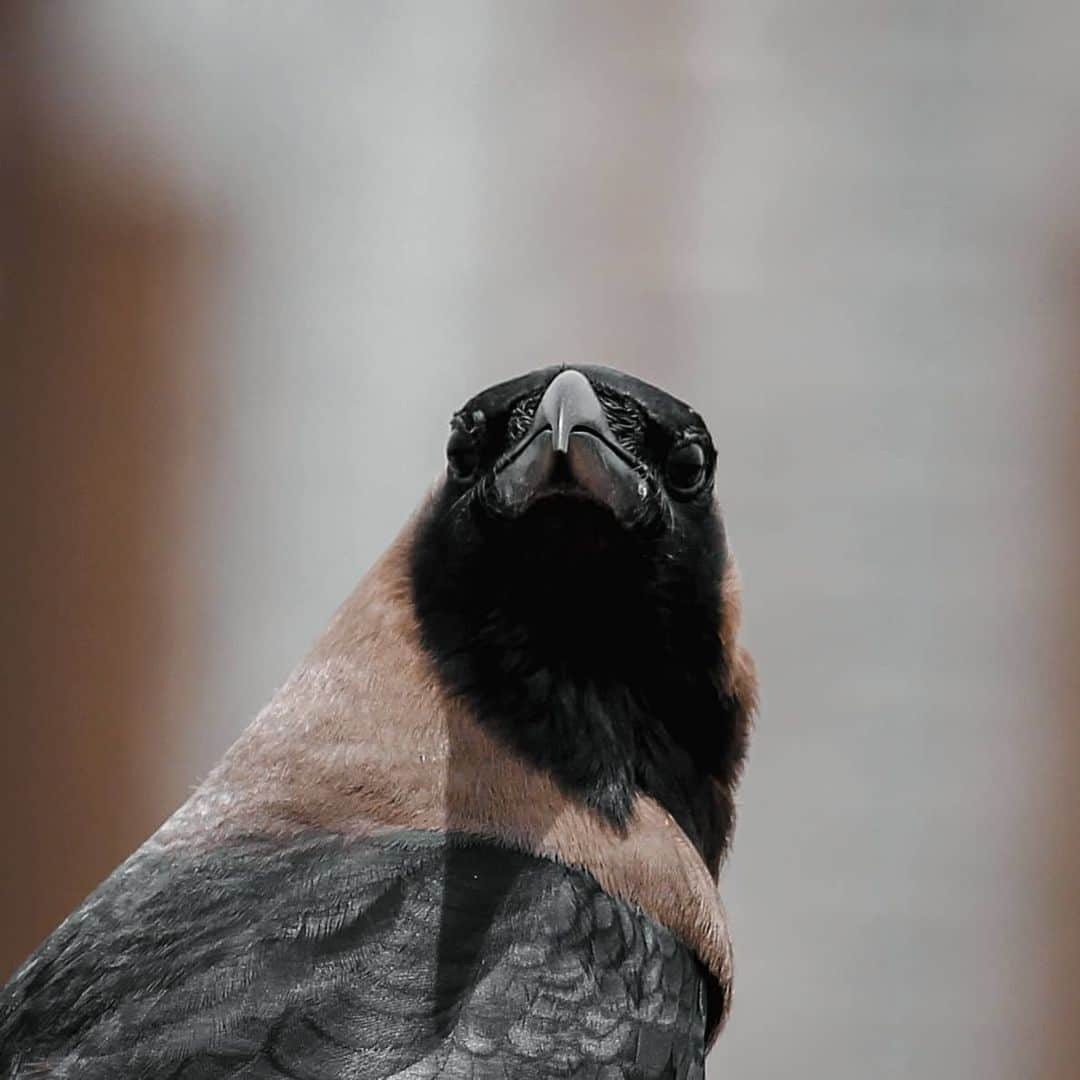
(462, 456)
(686, 469)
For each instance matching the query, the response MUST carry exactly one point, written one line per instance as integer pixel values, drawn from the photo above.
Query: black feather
(318, 958)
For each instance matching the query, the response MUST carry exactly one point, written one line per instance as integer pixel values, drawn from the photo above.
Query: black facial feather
(589, 644)
(627, 419)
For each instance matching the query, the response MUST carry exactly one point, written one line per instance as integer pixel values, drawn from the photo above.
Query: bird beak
(571, 449)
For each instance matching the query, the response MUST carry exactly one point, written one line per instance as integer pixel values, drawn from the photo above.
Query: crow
(478, 830)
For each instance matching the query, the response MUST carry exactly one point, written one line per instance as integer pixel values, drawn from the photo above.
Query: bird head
(573, 584)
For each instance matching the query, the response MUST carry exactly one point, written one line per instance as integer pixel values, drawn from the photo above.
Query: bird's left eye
(685, 468)
(462, 457)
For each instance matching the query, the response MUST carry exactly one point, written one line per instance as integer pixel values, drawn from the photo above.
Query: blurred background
(256, 254)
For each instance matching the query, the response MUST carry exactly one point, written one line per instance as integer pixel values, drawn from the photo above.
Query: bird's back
(414, 954)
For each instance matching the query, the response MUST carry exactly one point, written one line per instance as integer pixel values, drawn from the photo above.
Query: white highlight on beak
(561, 430)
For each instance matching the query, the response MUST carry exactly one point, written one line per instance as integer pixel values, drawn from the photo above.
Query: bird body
(380, 878)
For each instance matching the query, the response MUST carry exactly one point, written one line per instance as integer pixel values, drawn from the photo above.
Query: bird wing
(415, 954)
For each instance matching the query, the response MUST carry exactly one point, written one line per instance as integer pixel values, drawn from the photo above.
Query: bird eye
(462, 457)
(685, 469)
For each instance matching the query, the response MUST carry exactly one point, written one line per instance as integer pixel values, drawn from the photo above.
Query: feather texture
(412, 955)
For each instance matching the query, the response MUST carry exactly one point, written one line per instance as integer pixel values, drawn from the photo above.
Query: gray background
(846, 232)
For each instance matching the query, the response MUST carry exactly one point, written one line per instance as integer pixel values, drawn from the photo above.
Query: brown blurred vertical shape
(1061, 797)
(97, 273)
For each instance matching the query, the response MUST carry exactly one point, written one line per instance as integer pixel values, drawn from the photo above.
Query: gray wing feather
(414, 956)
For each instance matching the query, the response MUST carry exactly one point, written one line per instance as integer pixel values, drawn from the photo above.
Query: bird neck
(364, 740)
(598, 672)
